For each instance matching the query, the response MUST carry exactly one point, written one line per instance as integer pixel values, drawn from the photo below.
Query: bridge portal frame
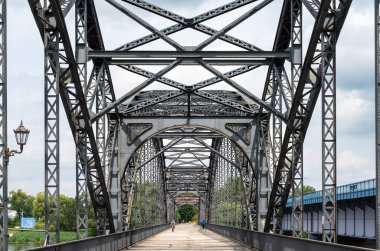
(134, 131)
(297, 117)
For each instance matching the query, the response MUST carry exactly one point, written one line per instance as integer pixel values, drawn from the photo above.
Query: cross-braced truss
(235, 155)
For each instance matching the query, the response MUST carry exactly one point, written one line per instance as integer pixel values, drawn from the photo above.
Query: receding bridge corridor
(187, 237)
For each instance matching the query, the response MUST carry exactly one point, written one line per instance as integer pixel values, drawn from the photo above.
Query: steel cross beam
(194, 23)
(188, 22)
(194, 55)
(76, 110)
(303, 105)
(177, 18)
(145, 24)
(241, 89)
(135, 90)
(188, 89)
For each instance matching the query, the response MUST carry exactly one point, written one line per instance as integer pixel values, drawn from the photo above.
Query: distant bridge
(356, 211)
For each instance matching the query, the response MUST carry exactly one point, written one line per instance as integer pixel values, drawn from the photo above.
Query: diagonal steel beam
(233, 24)
(230, 74)
(225, 102)
(66, 6)
(195, 24)
(241, 89)
(203, 94)
(73, 100)
(162, 150)
(216, 152)
(312, 6)
(135, 90)
(303, 105)
(145, 24)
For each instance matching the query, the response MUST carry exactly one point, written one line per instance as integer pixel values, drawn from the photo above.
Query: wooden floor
(187, 237)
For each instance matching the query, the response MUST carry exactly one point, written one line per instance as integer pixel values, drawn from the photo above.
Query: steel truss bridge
(140, 154)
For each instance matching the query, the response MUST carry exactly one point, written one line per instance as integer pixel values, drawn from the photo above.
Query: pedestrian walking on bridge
(172, 225)
(203, 224)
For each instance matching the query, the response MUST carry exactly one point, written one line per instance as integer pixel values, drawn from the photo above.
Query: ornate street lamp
(21, 134)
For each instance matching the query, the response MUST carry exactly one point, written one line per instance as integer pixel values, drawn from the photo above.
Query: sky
(355, 83)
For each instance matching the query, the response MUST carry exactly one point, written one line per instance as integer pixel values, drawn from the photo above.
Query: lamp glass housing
(21, 134)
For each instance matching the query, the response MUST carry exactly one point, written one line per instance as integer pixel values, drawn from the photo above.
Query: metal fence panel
(111, 242)
(274, 242)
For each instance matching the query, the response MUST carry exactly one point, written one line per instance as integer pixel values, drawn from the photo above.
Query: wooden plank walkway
(188, 237)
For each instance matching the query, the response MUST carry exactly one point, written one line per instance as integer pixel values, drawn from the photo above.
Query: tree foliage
(186, 213)
(38, 207)
(67, 213)
(306, 189)
(21, 202)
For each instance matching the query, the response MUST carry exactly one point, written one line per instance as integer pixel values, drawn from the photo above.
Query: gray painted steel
(111, 242)
(143, 154)
(266, 241)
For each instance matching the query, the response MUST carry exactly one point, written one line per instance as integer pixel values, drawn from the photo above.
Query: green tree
(21, 202)
(39, 207)
(186, 213)
(306, 189)
(67, 213)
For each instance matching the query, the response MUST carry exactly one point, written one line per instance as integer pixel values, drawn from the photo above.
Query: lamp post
(21, 134)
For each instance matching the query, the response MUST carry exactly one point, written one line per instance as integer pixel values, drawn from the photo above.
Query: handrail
(266, 241)
(111, 242)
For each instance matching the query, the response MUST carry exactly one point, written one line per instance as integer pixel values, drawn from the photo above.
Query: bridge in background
(190, 128)
(356, 207)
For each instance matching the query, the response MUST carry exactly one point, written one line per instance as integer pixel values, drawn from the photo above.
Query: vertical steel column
(296, 67)
(52, 74)
(277, 123)
(3, 125)
(328, 62)
(377, 89)
(277, 131)
(81, 137)
(263, 179)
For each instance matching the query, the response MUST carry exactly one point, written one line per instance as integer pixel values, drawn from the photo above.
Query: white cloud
(353, 167)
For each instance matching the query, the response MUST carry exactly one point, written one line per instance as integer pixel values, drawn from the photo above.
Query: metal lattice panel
(73, 100)
(81, 138)
(52, 46)
(299, 116)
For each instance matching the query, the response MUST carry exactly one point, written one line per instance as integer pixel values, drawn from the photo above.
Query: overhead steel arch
(252, 169)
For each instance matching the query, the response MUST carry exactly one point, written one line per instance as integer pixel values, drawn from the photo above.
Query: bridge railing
(266, 241)
(111, 242)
